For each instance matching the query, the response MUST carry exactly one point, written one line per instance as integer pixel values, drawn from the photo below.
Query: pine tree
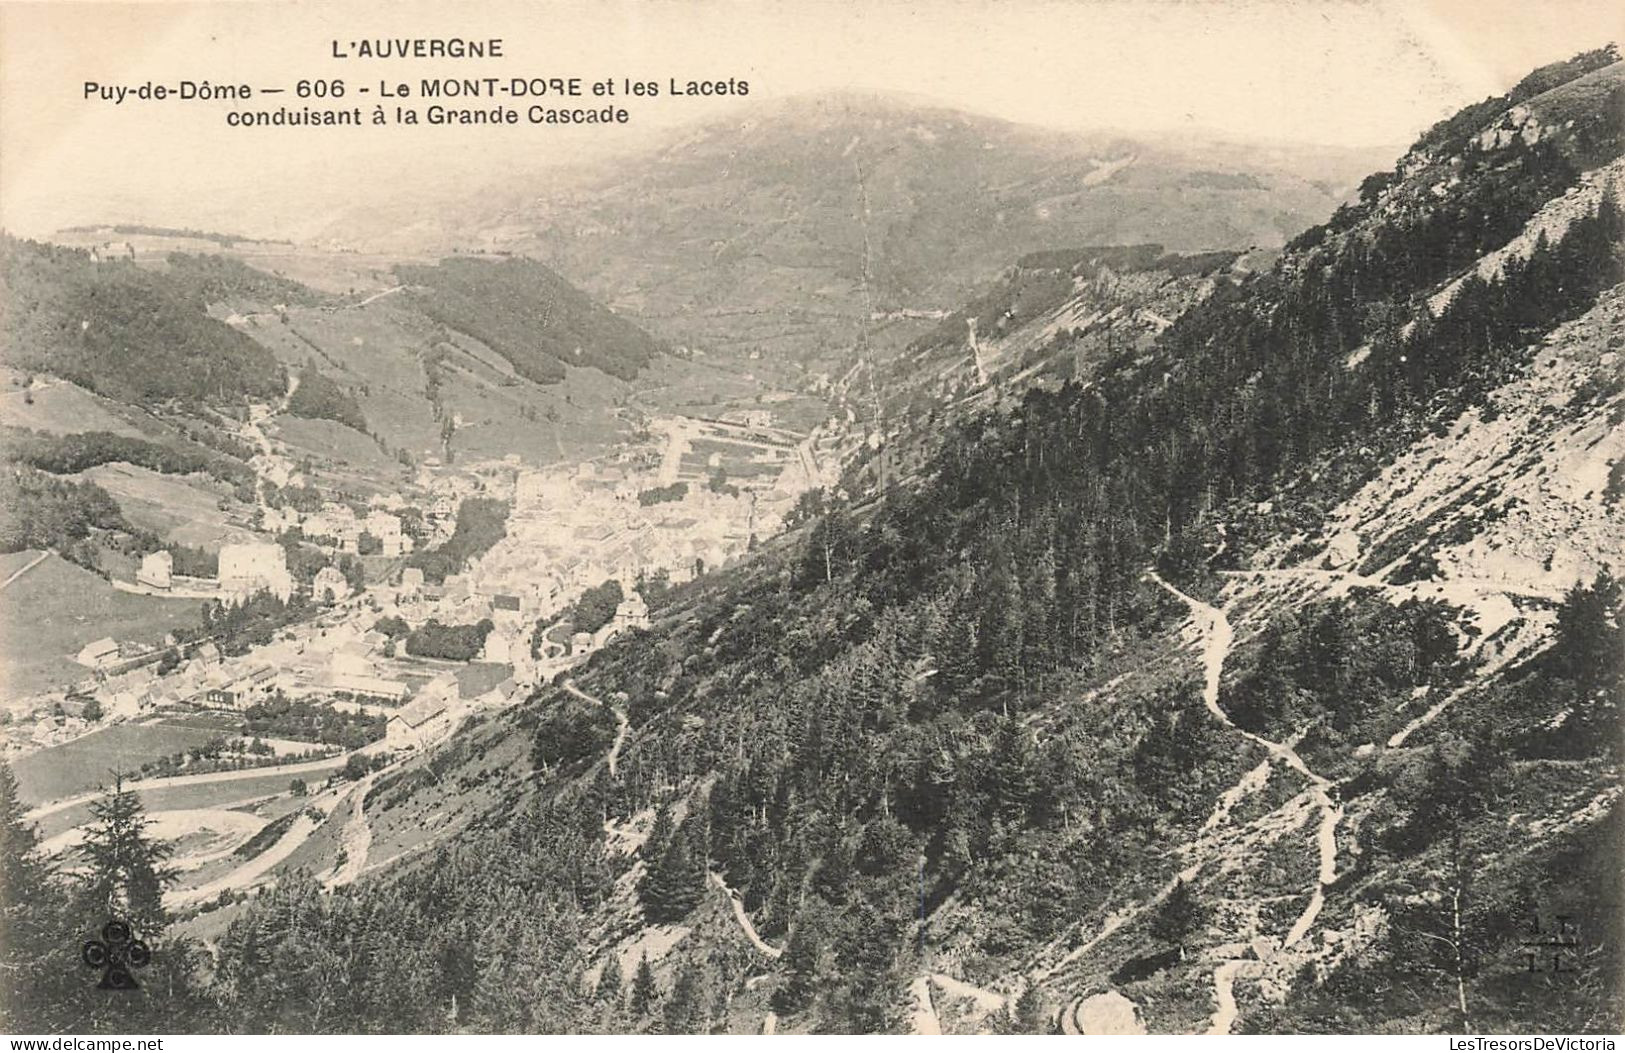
(1029, 1012)
(802, 955)
(1014, 770)
(1180, 915)
(675, 883)
(1024, 1016)
(610, 982)
(685, 1011)
(24, 913)
(127, 874)
(645, 992)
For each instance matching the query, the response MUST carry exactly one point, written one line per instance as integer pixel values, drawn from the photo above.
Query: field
(85, 763)
(51, 612)
(183, 509)
(476, 678)
(12, 562)
(230, 793)
(58, 407)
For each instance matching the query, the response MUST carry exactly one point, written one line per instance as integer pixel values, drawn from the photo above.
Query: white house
(411, 581)
(254, 567)
(98, 653)
(418, 723)
(157, 570)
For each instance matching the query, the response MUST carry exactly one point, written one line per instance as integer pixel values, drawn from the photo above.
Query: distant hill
(119, 330)
(784, 231)
(530, 316)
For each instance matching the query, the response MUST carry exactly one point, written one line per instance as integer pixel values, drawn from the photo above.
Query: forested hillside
(1098, 700)
(529, 315)
(123, 331)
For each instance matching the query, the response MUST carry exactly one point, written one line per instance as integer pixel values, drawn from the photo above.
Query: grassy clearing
(59, 408)
(86, 762)
(51, 612)
(183, 509)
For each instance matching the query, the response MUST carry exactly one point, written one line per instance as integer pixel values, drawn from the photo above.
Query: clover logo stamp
(116, 954)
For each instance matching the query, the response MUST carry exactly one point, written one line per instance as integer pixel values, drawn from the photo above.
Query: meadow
(52, 611)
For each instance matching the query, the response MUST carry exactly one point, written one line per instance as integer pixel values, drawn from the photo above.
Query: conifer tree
(674, 883)
(128, 872)
(610, 982)
(645, 992)
(25, 916)
(685, 1012)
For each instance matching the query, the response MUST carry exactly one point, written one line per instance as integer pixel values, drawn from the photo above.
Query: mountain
(779, 236)
(1262, 672)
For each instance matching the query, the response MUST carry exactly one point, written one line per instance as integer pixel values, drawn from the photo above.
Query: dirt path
(25, 568)
(744, 919)
(380, 295)
(1219, 639)
(924, 1019)
(1224, 995)
(620, 720)
(355, 840)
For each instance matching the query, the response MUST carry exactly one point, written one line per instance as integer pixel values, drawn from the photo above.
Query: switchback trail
(1219, 639)
(744, 919)
(620, 720)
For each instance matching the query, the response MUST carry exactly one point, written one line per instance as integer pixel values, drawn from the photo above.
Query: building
(255, 566)
(411, 581)
(387, 529)
(256, 686)
(330, 585)
(417, 724)
(157, 570)
(98, 654)
(633, 613)
(365, 688)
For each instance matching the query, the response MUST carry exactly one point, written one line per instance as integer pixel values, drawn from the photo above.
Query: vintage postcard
(812, 517)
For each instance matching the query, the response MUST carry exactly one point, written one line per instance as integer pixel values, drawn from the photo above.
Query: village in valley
(341, 636)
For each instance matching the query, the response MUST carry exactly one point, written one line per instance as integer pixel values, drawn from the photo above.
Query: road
(327, 764)
(249, 872)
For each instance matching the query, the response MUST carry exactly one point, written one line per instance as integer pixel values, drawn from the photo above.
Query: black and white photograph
(811, 517)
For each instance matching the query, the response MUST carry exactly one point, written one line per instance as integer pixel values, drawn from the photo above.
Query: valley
(929, 576)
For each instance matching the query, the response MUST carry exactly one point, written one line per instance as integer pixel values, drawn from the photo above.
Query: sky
(1354, 73)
